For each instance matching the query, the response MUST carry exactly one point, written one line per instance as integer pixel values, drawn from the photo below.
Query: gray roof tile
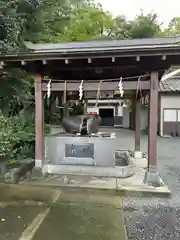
(104, 44)
(170, 85)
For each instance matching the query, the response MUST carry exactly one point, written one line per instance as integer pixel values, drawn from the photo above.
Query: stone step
(118, 171)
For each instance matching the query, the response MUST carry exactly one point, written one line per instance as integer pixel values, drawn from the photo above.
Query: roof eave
(103, 49)
(95, 52)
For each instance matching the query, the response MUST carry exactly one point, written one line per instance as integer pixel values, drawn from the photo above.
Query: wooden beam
(93, 86)
(90, 67)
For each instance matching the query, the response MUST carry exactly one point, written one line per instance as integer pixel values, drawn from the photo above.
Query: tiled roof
(105, 44)
(170, 85)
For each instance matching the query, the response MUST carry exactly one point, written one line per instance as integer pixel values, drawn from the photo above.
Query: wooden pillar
(153, 117)
(138, 125)
(39, 122)
(152, 177)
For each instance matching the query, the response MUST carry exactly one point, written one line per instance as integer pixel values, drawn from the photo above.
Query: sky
(165, 9)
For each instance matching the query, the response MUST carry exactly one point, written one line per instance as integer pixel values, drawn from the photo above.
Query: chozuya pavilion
(135, 67)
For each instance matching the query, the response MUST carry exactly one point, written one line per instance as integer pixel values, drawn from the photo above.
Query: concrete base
(113, 172)
(132, 186)
(69, 149)
(137, 155)
(141, 162)
(140, 183)
(152, 177)
(37, 173)
(38, 163)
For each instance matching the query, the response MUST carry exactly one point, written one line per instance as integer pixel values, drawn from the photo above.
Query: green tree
(173, 27)
(88, 23)
(16, 91)
(124, 27)
(143, 26)
(55, 16)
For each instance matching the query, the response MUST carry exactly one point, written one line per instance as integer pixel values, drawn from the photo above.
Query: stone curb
(114, 191)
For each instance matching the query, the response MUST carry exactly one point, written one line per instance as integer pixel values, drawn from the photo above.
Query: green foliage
(143, 26)
(17, 135)
(66, 20)
(16, 91)
(54, 17)
(13, 24)
(124, 27)
(5, 145)
(173, 27)
(100, 24)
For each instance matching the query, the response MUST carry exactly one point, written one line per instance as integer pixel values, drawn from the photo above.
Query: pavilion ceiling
(95, 68)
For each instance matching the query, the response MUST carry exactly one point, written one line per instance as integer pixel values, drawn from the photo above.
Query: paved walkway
(74, 215)
(15, 219)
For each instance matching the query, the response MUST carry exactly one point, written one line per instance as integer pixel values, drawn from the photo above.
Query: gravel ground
(153, 218)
